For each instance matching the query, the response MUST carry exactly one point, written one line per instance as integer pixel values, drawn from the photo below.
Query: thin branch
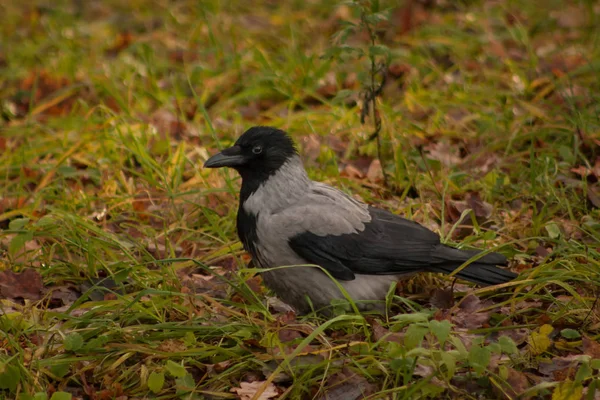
(370, 96)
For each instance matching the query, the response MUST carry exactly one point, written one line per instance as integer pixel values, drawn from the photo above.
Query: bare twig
(371, 93)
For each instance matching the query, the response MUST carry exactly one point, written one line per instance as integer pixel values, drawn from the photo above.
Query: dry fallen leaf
(570, 17)
(279, 306)
(328, 86)
(172, 346)
(469, 315)
(593, 194)
(347, 385)
(352, 172)
(381, 333)
(560, 368)
(482, 209)
(248, 390)
(375, 173)
(442, 298)
(443, 152)
(517, 382)
(121, 42)
(311, 146)
(63, 295)
(43, 85)
(26, 285)
(518, 335)
(168, 125)
(212, 285)
(591, 347)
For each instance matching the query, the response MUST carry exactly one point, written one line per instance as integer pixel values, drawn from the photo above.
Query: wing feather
(388, 244)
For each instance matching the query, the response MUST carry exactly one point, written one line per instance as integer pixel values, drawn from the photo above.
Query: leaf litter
(428, 108)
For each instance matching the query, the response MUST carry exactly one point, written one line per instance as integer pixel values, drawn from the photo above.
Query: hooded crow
(284, 218)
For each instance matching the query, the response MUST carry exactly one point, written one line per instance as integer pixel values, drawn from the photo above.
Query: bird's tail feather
(483, 274)
(483, 271)
(444, 254)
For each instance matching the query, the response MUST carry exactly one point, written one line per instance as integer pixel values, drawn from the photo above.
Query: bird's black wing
(389, 244)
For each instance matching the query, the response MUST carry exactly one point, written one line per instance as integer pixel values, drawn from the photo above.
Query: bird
(286, 219)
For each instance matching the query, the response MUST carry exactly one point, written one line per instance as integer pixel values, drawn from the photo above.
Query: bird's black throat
(251, 181)
(246, 221)
(247, 232)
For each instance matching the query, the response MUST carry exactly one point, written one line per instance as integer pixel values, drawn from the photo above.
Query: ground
(121, 276)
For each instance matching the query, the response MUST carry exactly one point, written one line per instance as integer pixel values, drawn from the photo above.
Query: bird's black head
(257, 154)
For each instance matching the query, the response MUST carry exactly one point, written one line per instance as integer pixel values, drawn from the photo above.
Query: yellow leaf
(540, 341)
(568, 390)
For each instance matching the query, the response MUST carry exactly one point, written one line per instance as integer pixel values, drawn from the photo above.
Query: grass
(110, 108)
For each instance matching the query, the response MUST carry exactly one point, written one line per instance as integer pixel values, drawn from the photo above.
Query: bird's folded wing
(387, 244)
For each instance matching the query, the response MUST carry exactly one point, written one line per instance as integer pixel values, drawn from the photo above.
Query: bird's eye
(257, 149)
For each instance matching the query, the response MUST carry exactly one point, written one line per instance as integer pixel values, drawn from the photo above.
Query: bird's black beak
(230, 157)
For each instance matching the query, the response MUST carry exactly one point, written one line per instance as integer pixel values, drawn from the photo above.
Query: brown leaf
(581, 170)
(169, 125)
(570, 17)
(337, 144)
(255, 284)
(517, 383)
(26, 285)
(286, 318)
(397, 70)
(375, 173)
(484, 163)
(208, 284)
(115, 391)
(470, 315)
(442, 298)
(328, 87)
(480, 208)
(471, 303)
(222, 366)
(591, 347)
(45, 85)
(183, 55)
(172, 346)
(352, 172)
(63, 295)
(287, 334)
(249, 112)
(381, 333)
(122, 41)
(249, 390)
(279, 306)
(443, 152)
(109, 297)
(596, 168)
(542, 251)
(347, 385)
(311, 146)
(593, 194)
(227, 264)
(519, 336)
(559, 368)
(423, 370)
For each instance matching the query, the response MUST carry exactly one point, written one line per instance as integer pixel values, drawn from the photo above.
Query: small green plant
(377, 55)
